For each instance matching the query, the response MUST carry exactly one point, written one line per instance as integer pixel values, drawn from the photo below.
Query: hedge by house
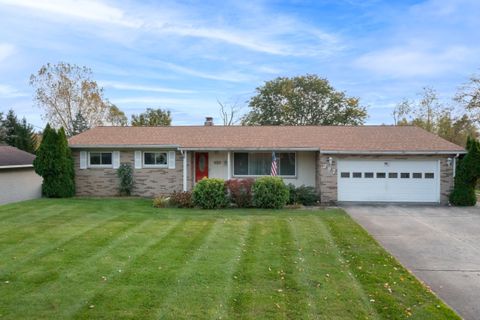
(270, 193)
(54, 163)
(210, 193)
(467, 175)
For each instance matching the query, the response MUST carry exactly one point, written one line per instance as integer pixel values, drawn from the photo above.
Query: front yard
(117, 259)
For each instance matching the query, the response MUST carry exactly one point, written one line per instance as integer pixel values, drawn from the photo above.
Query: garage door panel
(416, 187)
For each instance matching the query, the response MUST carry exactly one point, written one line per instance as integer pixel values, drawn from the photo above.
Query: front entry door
(201, 165)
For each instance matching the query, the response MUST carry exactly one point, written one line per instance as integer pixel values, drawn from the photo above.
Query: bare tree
(401, 112)
(230, 112)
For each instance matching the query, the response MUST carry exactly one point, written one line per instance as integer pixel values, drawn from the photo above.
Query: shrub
(210, 193)
(468, 172)
(304, 195)
(125, 173)
(181, 199)
(240, 191)
(161, 202)
(55, 164)
(270, 192)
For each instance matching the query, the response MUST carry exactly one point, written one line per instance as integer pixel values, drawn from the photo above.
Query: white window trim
(99, 166)
(266, 175)
(164, 166)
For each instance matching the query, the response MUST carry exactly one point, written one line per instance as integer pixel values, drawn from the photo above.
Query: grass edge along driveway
(114, 258)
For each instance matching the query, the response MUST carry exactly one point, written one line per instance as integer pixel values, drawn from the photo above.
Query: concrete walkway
(440, 245)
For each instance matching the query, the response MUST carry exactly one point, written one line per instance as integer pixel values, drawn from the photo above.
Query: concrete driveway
(440, 245)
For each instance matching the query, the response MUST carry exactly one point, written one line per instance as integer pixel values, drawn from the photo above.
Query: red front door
(201, 165)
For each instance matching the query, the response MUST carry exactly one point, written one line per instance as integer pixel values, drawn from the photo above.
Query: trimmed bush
(54, 163)
(210, 193)
(467, 174)
(270, 193)
(181, 199)
(303, 195)
(240, 191)
(161, 202)
(125, 173)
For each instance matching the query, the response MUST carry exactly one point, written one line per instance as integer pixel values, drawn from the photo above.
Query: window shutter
(116, 159)
(83, 160)
(138, 159)
(171, 159)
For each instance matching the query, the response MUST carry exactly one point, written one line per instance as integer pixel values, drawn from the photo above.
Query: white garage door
(383, 181)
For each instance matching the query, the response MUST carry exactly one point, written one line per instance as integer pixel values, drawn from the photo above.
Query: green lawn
(115, 259)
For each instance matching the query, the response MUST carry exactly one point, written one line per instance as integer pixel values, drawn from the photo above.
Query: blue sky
(184, 55)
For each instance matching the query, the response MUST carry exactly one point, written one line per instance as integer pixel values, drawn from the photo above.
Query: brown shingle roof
(10, 156)
(325, 138)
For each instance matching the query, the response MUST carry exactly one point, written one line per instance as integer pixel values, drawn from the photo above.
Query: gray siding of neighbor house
(19, 185)
(149, 182)
(327, 178)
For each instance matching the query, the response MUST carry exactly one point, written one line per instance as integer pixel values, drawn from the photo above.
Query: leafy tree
(428, 113)
(3, 131)
(79, 124)
(467, 175)
(469, 97)
(55, 164)
(116, 117)
(66, 90)
(18, 133)
(125, 173)
(152, 118)
(303, 100)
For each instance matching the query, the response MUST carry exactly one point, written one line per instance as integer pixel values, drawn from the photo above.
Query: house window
(100, 159)
(356, 174)
(260, 164)
(155, 159)
(405, 175)
(393, 175)
(345, 175)
(381, 175)
(429, 175)
(368, 175)
(417, 175)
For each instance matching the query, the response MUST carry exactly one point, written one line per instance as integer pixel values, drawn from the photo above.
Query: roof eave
(392, 152)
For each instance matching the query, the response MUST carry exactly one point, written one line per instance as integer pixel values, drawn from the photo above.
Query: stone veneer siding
(326, 180)
(149, 182)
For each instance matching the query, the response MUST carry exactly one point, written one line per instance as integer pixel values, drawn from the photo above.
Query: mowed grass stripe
(325, 279)
(389, 286)
(99, 271)
(207, 276)
(41, 280)
(260, 286)
(136, 292)
(37, 253)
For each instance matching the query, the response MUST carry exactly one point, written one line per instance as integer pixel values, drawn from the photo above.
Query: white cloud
(6, 50)
(95, 11)
(7, 91)
(135, 87)
(278, 35)
(230, 76)
(410, 61)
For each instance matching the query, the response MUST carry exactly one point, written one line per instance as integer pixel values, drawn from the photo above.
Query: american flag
(273, 172)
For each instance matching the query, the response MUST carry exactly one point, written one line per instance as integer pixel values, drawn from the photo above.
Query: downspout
(455, 164)
(184, 153)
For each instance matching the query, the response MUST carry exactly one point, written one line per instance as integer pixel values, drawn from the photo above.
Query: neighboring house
(343, 163)
(18, 180)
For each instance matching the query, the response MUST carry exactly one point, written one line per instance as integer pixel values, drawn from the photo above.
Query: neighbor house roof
(324, 138)
(11, 157)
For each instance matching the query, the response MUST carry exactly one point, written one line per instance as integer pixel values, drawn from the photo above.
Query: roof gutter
(250, 149)
(124, 146)
(17, 166)
(443, 152)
